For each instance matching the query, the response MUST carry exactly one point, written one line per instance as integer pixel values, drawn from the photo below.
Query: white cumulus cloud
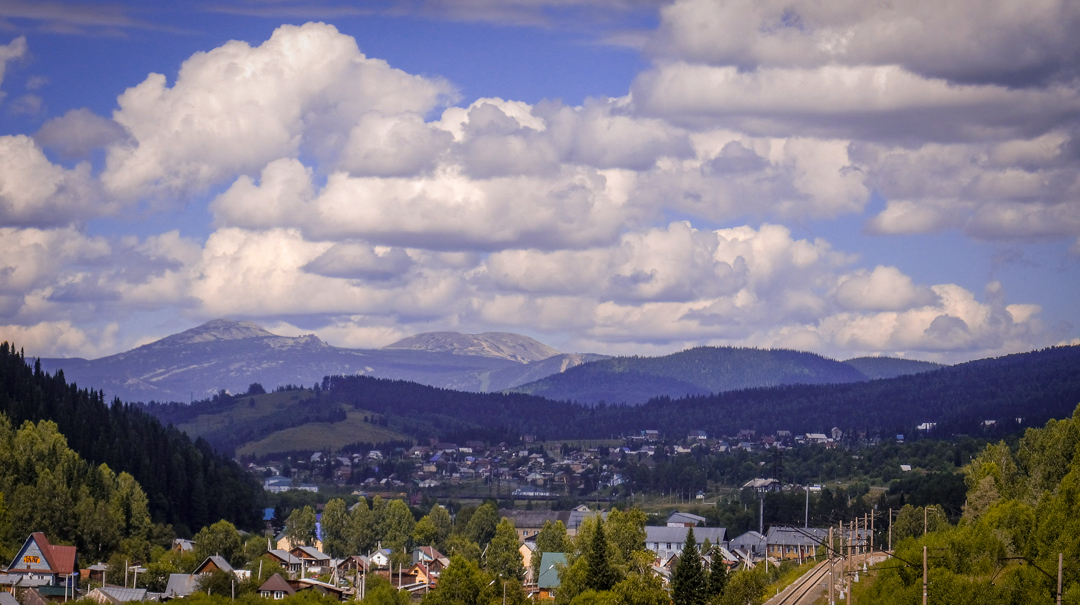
(235, 108)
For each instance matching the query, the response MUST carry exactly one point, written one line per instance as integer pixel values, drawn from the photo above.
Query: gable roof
(577, 517)
(323, 587)
(180, 585)
(310, 552)
(59, 559)
(749, 544)
(427, 553)
(183, 545)
(117, 594)
(218, 562)
(284, 556)
(276, 583)
(33, 597)
(716, 535)
(790, 536)
(7, 599)
(549, 575)
(677, 517)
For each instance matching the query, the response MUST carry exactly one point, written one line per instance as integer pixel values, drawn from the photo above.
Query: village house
(349, 566)
(322, 588)
(213, 563)
(49, 569)
(182, 545)
(281, 541)
(291, 563)
(527, 550)
(276, 588)
(678, 519)
(547, 583)
(311, 558)
(114, 595)
(668, 541)
(430, 558)
(763, 485)
(180, 585)
(792, 543)
(751, 543)
(380, 558)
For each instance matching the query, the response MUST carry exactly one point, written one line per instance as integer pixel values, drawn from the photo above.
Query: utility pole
(924, 598)
(761, 513)
(843, 564)
(924, 509)
(857, 544)
(872, 533)
(832, 561)
(1060, 565)
(890, 529)
(806, 521)
(854, 566)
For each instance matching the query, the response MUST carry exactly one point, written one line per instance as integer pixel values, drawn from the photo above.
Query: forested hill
(1034, 386)
(186, 483)
(424, 411)
(697, 371)
(891, 367)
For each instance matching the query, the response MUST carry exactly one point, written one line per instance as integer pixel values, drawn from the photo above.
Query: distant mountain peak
(217, 329)
(506, 345)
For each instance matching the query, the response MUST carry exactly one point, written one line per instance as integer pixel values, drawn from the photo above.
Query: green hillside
(696, 371)
(891, 367)
(286, 420)
(322, 436)
(1019, 527)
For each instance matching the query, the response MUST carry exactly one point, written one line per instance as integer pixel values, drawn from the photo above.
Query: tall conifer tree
(717, 574)
(688, 581)
(602, 575)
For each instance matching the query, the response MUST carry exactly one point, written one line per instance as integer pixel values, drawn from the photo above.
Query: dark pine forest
(187, 484)
(1032, 387)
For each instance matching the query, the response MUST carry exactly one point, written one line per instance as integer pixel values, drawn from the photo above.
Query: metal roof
(791, 536)
(285, 556)
(677, 517)
(549, 576)
(118, 594)
(180, 585)
(218, 562)
(715, 535)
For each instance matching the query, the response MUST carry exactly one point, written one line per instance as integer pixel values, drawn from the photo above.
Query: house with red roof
(39, 560)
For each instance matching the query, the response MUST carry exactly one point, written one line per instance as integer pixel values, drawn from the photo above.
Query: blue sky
(613, 176)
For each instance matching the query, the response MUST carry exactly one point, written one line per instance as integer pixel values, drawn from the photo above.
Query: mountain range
(992, 398)
(697, 371)
(231, 355)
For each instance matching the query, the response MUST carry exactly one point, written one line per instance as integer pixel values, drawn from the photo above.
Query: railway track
(803, 587)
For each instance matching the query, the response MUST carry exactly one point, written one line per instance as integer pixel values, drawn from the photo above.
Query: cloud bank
(367, 203)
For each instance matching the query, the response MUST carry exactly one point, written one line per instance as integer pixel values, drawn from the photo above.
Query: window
(278, 595)
(669, 545)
